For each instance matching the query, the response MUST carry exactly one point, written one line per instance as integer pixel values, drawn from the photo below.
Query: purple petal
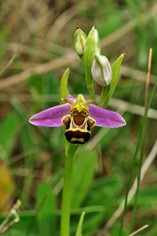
(70, 97)
(106, 118)
(51, 117)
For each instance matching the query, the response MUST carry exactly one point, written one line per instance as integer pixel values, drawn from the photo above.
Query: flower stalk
(66, 197)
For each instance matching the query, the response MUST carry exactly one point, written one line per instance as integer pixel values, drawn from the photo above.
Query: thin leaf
(107, 92)
(64, 84)
(80, 224)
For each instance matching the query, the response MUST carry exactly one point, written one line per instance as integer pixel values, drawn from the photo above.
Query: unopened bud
(101, 70)
(94, 41)
(79, 41)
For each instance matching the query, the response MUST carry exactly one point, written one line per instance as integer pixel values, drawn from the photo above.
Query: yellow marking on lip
(81, 140)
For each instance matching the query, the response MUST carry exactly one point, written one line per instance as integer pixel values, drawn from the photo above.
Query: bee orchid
(78, 116)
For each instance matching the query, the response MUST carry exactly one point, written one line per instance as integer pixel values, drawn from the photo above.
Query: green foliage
(46, 204)
(112, 22)
(8, 131)
(147, 197)
(27, 225)
(3, 39)
(27, 143)
(115, 231)
(83, 173)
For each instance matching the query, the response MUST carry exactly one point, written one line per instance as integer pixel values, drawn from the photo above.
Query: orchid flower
(78, 116)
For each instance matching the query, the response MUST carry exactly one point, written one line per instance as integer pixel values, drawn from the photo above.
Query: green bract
(79, 41)
(64, 85)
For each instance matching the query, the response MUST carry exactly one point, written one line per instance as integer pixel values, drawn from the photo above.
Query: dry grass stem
(40, 69)
(63, 19)
(136, 74)
(148, 77)
(9, 63)
(119, 104)
(139, 230)
(133, 108)
(6, 224)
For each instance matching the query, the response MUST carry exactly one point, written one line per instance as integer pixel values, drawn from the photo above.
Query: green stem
(91, 92)
(103, 94)
(89, 82)
(66, 197)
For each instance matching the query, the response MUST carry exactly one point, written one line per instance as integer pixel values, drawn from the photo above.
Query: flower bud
(79, 41)
(101, 70)
(94, 41)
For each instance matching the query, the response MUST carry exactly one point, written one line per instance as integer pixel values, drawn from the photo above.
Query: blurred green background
(36, 46)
